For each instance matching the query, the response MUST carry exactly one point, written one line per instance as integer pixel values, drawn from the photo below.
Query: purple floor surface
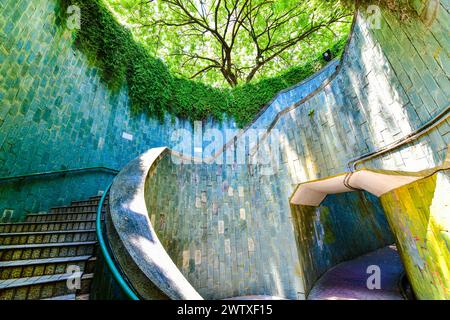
(348, 280)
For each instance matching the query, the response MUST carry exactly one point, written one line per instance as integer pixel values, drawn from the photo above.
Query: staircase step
(75, 209)
(46, 250)
(15, 263)
(71, 296)
(21, 282)
(61, 216)
(47, 226)
(83, 297)
(85, 202)
(98, 198)
(47, 237)
(35, 255)
(91, 200)
(38, 267)
(42, 287)
(85, 284)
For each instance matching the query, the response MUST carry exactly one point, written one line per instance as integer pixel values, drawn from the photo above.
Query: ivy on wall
(151, 86)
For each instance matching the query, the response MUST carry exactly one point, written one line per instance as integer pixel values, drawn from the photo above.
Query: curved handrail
(58, 172)
(431, 124)
(109, 261)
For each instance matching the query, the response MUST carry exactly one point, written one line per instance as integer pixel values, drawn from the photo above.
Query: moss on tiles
(419, 217)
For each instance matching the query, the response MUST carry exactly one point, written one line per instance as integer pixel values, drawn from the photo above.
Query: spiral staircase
(50, 256)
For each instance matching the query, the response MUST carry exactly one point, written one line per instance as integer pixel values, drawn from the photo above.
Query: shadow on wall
(343, 227)
(390, 84)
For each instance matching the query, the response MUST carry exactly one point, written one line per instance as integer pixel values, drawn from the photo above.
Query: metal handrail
(428, 126)
(109, 261)
(60, 172)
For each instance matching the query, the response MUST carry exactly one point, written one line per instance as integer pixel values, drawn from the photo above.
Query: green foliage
(154, 89)
(231, 42)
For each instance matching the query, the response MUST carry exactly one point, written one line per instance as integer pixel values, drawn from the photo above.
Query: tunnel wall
(419, 216)
(392, 82)
(342, 228)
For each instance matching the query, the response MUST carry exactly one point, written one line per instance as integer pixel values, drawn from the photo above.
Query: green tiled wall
(419, 216)
(56, 114)
(342, 228)
(228, 236)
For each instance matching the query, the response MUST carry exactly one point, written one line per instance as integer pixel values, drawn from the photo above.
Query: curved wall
(227, 235)
(53, 104)
(391, 82)
(419, 216)
(374, 100)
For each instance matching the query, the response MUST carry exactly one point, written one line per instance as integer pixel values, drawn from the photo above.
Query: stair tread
(62, 217)
(75, 206)
(21, 282)
(44, 222)
(59, 213)
(17, 263)
(88, 276)
(29, 233)
(65, 297)
(45, 245)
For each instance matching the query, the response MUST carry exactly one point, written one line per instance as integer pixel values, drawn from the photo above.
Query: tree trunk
(231, 79)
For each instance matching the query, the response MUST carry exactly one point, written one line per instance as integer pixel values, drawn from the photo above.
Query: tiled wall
(419, 216)
(388, 87)
(55, 113)
(366, 107)
(39, 193)
(228, 236)
(343, 227)
(371, 104)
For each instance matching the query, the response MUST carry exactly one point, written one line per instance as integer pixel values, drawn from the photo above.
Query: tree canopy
(234, 41)
(124, 60)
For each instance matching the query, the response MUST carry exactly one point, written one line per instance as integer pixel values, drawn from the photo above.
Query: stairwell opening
(342, 227)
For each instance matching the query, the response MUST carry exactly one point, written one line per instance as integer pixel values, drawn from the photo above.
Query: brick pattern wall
(38, 195)
(228, 236)
(56, 113)
(369, 106)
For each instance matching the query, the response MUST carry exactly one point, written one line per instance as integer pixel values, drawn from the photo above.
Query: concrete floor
(347, 281)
